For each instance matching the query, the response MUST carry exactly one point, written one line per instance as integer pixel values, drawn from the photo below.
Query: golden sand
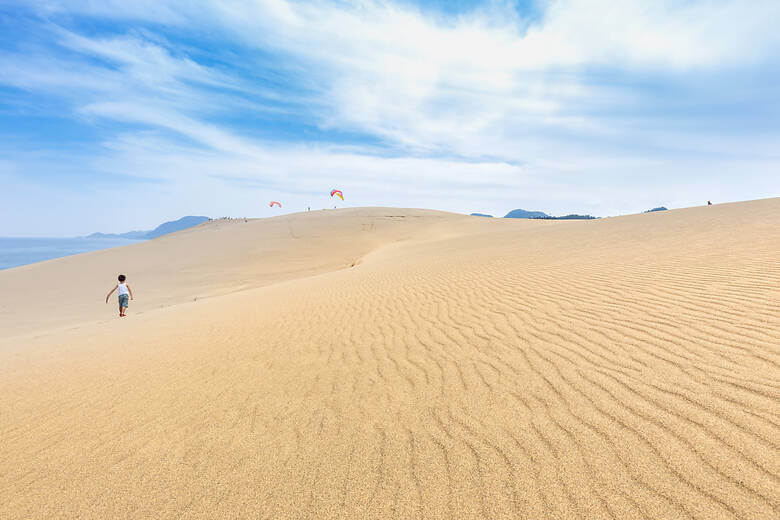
(389, 363)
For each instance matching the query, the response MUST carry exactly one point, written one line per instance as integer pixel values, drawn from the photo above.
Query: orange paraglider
(337, 192)
(274, 203)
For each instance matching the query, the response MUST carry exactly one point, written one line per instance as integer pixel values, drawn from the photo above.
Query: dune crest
(388, 363)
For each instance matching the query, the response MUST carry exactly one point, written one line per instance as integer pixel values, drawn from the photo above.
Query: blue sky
(117, 115)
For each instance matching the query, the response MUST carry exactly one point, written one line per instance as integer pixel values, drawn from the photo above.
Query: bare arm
(111, 292)
(131, 291)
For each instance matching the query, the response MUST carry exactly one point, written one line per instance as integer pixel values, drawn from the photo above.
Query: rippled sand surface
(392, 363)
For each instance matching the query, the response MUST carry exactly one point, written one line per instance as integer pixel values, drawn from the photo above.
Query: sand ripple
(462, 368)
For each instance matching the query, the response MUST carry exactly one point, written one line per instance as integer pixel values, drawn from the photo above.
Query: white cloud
(493, 106)
(467, 85)
(471, 86)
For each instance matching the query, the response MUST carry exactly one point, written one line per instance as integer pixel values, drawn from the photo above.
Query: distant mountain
(521, 213)
(133, 235)
(162, 229)
(175, 225)
(659, 208)
(481, 215)
(573, 216)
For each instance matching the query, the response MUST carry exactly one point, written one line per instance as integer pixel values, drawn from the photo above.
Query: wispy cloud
(607, 105)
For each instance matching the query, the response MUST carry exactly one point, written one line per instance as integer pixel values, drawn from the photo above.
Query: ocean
(22, 251)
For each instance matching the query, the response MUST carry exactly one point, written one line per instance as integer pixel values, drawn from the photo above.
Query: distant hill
(521, 213)
(134, 235)
(162, 229)
(175, 225)
(572, 216)
(481, 215)
(659, 208)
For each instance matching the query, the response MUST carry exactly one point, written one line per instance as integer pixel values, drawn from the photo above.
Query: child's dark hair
(121, 278)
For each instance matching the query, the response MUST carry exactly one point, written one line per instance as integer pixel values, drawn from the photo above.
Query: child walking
(124, 292)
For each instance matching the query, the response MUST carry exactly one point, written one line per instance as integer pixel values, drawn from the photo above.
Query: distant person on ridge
(124, 292)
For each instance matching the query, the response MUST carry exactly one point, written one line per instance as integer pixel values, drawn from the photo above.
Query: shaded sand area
(462, 368)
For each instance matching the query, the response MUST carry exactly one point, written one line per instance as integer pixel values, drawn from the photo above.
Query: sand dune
(217, 257)
(386, 363)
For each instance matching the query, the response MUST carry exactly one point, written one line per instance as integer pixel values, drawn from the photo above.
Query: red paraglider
(337, 192)
(274, 203)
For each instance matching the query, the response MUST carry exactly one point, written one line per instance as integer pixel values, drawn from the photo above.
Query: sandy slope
(463, 368)
(217, 257)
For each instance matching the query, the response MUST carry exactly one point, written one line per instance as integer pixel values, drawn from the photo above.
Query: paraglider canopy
(337, 192)
(274, 203)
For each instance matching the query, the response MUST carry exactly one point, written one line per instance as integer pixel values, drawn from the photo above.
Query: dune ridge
(386, 363)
